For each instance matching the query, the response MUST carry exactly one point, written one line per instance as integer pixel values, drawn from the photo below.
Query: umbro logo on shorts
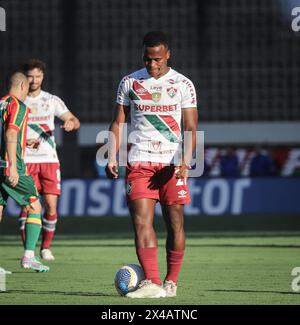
(182, 194)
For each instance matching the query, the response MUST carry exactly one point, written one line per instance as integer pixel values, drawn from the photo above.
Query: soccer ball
(128, 277)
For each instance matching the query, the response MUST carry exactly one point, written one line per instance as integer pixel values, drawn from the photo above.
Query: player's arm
(190, 123)
(71, 122)
(11, 139)
(114, 140)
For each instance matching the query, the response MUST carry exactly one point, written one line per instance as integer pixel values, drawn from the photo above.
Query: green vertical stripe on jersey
(161, 127)
(21, 114)
(42, 133)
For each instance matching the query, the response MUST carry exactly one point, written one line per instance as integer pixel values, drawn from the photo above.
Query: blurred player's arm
(11, 140)
(190, 123)
(114, 140)
(71, 122)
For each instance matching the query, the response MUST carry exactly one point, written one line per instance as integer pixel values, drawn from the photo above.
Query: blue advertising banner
(211, 196)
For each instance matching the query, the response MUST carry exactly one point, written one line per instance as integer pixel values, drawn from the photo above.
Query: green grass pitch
(218, 269)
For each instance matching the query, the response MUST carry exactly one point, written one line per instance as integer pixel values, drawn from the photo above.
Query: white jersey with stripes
(43, 109)
(156, 113)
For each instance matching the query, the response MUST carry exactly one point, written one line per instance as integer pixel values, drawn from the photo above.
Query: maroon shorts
(156, 181)
(46, 177)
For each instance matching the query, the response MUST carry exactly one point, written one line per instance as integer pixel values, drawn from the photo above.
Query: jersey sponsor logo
(156, 97)
(171, 91)
(156, 88)
(192, 91)
(155, 145)
(155, 108)
(40, 118)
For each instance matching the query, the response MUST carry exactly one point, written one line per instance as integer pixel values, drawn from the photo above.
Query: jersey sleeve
(123, 92)
(60, 107)
(15, 115)
(189, 98)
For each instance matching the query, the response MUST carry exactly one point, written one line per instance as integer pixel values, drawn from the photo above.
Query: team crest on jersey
(128, 188)
(33, 110)
(171, 91)
(156, 97)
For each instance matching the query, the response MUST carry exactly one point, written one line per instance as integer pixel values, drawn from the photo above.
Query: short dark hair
(34, 64)
(15, 79)
(155, 38)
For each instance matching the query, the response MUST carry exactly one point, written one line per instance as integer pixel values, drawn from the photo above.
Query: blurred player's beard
(34, 87)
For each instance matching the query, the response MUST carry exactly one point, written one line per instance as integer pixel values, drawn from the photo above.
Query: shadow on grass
(62, 293)
(254, 291)
(244, 245)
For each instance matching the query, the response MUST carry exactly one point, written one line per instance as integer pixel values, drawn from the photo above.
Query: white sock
(29, 253)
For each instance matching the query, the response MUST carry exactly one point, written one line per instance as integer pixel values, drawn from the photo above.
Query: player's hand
(13, 177)
(182, 171)
(68, 126)
(32, 143)
(111, 170)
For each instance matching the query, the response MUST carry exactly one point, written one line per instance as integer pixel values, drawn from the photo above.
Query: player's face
(35, 78)
(156, 60)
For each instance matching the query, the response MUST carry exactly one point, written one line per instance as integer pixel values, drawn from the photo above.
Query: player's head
(34, 69)
(18, 85)
(156, 53)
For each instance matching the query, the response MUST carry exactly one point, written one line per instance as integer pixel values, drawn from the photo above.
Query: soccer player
(42, 160)
(158, 100)
(15, 181)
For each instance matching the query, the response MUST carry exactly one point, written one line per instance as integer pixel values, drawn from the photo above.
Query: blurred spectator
(280, 156)
(229, 164)
(206, 169)
(261, 164)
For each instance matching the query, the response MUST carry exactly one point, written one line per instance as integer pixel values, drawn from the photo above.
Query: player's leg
(3, 199)
(1, 212)
(175, 245)
(22, 220)
(50, 184)
(49, 225)
(25, 194)
(33, 229)
(142, 194)
(173, 195)
(142, 212)
(33, 171)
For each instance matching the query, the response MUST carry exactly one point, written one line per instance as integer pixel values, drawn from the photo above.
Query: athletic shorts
(24, 193)
(46, 177)
(156, 181)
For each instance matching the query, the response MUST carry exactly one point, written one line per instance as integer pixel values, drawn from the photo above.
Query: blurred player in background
(158, 100)
(42, 160)
(15, 181)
